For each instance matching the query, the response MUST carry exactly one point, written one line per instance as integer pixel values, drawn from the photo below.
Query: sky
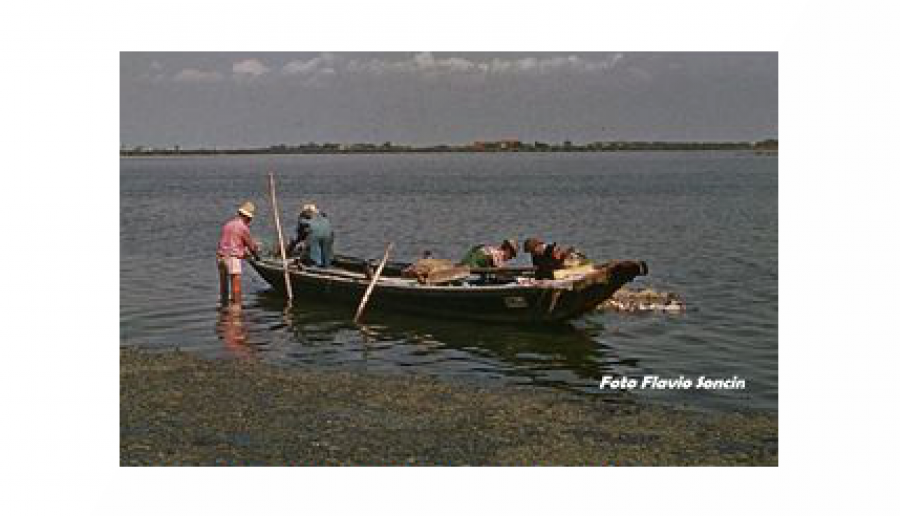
(238, 99)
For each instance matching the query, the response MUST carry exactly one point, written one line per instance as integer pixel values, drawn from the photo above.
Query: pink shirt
(235, 240)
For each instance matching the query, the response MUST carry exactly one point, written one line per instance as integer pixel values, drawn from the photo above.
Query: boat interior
(357, 268)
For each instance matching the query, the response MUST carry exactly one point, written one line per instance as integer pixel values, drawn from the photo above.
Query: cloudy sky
(250, 99)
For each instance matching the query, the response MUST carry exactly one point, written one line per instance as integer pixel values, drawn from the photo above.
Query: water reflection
(562, 357)
(232, 330)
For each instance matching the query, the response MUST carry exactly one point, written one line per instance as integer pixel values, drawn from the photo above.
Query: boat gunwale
(344, 276)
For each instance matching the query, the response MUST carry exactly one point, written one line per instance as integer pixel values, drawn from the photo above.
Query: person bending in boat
(297, 246)
(547, 258)
(234, 245)
(482, 255)
(315, 238)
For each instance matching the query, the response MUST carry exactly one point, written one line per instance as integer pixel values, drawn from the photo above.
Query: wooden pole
(365, 299)
(287, 276)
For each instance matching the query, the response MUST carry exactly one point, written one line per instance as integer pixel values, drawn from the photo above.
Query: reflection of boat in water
(487, 297)
(562, 356)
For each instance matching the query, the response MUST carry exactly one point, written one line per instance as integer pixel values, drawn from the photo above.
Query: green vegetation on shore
(769, 145)
(178, 409)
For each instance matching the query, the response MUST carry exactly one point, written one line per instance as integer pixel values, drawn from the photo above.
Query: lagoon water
(706, 223)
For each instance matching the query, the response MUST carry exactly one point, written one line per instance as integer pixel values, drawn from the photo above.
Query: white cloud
(379, 66)
(424, 60)
(458, 64)
(312, 65)
(300, 67)
(426, 64)
(320, 70)
(423, 63)
(194, 75)
(249, 67)
(316, 71)
(547, 65)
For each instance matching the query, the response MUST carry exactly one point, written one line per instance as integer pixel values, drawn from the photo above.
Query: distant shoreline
(281, 151)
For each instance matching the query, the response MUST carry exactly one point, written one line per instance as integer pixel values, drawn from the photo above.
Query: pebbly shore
(179, 409)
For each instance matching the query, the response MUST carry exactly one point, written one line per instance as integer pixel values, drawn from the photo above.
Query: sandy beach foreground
(178, 409)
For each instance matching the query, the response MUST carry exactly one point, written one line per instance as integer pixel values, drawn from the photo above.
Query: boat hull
(538, 303)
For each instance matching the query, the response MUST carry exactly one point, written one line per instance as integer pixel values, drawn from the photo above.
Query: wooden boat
(490, 295)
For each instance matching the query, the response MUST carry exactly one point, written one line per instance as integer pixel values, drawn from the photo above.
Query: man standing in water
(234, 245)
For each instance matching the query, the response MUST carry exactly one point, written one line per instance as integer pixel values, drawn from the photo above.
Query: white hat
(309, 208)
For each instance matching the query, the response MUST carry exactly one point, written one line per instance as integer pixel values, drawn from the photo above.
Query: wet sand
(179, 409)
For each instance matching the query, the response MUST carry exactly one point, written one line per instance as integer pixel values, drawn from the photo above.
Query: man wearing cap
(234, 245)
(314, 231)
(482, 256)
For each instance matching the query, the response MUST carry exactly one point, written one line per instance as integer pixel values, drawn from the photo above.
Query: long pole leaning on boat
(365, 298)
(287, 276)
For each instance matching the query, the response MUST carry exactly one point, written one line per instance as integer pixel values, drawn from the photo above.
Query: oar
(365, 298)
(287, 276)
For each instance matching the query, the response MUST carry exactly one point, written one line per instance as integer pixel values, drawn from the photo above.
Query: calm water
(706, 223)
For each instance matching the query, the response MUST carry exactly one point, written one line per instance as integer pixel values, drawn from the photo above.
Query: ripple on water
(706, 224)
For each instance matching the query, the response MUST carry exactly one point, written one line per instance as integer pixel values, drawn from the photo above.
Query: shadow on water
(562, 357)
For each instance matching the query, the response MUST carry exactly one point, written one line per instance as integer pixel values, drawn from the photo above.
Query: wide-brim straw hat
(247, 209)
(309, 208)
(513, 246)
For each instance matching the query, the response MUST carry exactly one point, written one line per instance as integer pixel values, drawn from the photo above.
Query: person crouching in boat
(234, 245)
(547, 258)
(314, 241)
(482, 256)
